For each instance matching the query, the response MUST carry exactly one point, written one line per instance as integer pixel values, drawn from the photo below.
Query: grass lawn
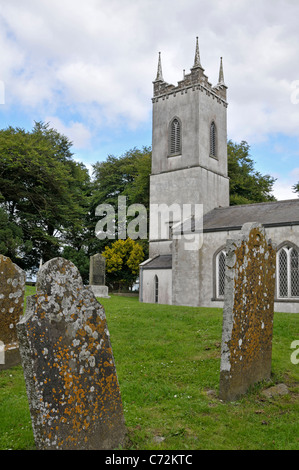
(167, 360)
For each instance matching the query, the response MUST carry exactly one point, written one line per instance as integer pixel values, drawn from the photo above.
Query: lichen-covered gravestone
(248, 311)
(69, 369)
(12, 288)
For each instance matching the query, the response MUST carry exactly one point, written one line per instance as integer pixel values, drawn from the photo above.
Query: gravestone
(97, 278)
(12, 289)
(69, 368)
(248, 311)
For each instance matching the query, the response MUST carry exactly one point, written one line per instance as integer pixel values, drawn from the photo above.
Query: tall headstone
(69, 368)
(12, 289)
(97, 270)
(97, 277)
(248, 311)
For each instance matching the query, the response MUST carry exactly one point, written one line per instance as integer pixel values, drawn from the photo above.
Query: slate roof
(159, 262)
(270, 214)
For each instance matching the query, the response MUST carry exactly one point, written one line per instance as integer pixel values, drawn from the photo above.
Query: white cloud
(97, 59)
(75, 131)
(282, 188)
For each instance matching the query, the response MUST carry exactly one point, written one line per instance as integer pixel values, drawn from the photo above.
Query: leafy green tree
(246, 184)
(11, 239)
(122, 263)
(42, 189)
(80, 260)
(127, 175)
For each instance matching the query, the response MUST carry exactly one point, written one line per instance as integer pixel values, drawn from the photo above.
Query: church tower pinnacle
(197, 56)
(159, 77)
(221, 75)
(221, 87)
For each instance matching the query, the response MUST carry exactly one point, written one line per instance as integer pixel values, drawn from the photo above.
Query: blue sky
(87, 69)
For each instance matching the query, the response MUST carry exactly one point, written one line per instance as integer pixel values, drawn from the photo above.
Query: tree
(295, 188)
(122, 263)
(11, 239)
(246, 184)
(42, 189)
(127, 175)
(80, 259)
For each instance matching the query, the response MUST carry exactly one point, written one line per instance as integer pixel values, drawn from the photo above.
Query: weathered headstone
(97, 270)
(97, 276)
(12, 289)
(69, 368)
(248, 311)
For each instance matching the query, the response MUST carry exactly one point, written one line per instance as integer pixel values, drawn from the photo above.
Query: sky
(87, 68)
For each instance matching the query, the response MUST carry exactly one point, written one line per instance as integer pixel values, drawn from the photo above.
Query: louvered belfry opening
(175, 137)
(213, 151)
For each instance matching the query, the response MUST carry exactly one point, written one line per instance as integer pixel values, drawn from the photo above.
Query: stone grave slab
(12, 290)
(69, 368)
(246, 349)
(97, 275)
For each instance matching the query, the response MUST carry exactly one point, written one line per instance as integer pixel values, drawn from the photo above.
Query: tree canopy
(127, 175)
(122, 263)
(42, 189)
(246, 184)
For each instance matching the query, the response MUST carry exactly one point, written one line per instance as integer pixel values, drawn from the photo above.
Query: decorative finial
(159, 71)
(221, 75)
(197, 56)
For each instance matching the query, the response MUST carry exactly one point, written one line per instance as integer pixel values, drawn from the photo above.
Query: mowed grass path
(167, 360)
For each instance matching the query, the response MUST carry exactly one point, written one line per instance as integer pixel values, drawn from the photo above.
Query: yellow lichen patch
(253, 302)
(76, 384)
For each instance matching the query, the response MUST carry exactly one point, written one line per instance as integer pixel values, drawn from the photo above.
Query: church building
(189, 169)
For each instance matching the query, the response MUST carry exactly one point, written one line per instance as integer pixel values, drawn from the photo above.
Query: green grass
(167, 360)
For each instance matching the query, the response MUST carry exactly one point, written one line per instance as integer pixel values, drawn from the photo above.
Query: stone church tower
(189, 167)
(189, 147)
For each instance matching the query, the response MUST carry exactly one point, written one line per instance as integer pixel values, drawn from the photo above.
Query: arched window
(2, 352)
(287, 272)
(175, 137)
(156, 285)
(213, 140)
(220, 273)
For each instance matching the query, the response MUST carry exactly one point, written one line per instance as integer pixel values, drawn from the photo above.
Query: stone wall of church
(185, 280)
(194, 274)
(190, 186)
(200, 186)
(147, 286)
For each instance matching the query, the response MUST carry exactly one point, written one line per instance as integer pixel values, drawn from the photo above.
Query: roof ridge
(256, 204)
